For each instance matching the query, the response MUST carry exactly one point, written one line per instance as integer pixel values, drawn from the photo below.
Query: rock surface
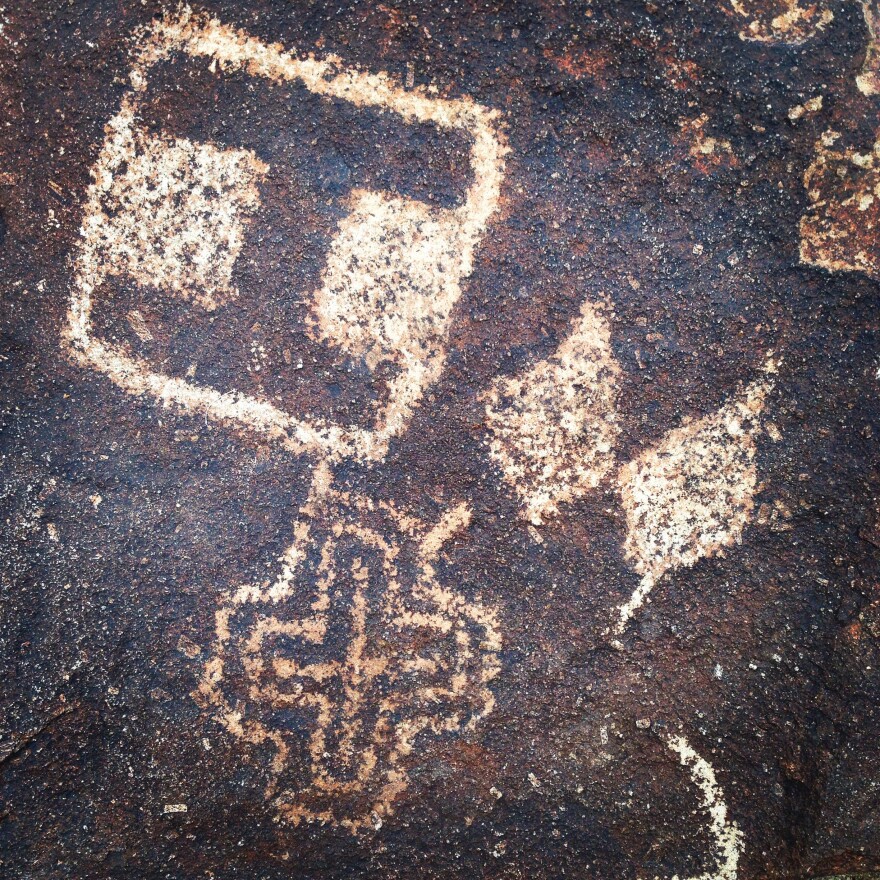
(439, 440)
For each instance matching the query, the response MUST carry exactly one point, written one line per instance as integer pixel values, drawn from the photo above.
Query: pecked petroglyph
(172, 213)
(336, 630)
(726, 832)
(553, 432)
(692, 495)
(868, 79)
(392, 279)
(355, 655)
(554, 428)
(352, 660)
(781, 21)
(838, 229)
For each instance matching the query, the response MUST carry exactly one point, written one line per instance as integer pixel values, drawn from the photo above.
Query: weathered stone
(439, 440)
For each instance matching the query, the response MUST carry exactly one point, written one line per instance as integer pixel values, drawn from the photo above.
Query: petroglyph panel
(554, 428)
(781, 21)
(319, 519)
(838, 230)
(353, 660)
(692, 495)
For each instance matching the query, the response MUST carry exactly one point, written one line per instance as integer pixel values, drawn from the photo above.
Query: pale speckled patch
(554, 428)
(813, 105)
(839, 228)
(691, 495)
(393, 304)
(726, 833)
(173, 215)
(391, 280)
(370, 703)
(707, 152)
(782, 21)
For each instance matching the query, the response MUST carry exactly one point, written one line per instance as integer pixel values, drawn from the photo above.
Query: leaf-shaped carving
(692, 494)
(554, 428)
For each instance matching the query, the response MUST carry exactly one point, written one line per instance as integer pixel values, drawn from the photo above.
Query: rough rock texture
(439, 440)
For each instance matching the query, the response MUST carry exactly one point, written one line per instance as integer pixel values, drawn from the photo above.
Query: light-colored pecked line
(726, 832)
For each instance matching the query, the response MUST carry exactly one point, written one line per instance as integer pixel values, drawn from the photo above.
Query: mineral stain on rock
(839, 230)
